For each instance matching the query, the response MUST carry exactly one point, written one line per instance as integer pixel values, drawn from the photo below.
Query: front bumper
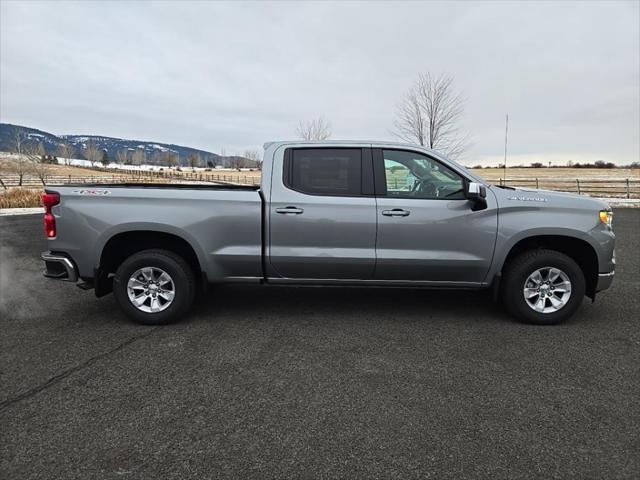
(59, 267)
(604, 280)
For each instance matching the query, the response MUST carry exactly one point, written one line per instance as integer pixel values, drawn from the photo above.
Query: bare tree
(40, 151)
(236, 162)
(168, 158)
(122, 156)
(254, 158)
(139, 157)
(194, 160)
(430, 114)
(26, 155)
(18, 139)
(211, 160)
(65, 150)
(155, 158)
(21, 167)
(92, 152)
(37, 165)
(316, 129)
(104, 158)
(172, 159)
(224, 161)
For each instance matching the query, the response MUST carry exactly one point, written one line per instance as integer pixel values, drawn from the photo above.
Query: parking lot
(315, 383)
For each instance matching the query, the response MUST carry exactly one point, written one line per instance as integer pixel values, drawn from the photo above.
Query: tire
(520, 274)
(163, 302)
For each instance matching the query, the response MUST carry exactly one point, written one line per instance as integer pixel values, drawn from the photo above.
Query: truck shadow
(339, 302)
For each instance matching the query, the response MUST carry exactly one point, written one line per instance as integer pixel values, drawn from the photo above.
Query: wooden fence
(227, 177)
(119, 176)
(610, 188)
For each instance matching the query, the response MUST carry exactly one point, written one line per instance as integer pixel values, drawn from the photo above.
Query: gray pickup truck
(332, 213)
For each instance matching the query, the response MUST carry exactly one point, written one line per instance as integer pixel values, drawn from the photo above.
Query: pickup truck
(332, 213)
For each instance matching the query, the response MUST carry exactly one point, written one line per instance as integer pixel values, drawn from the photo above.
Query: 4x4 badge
(92, 192)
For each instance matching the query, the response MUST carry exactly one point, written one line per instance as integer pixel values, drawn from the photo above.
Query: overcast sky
(214, 75)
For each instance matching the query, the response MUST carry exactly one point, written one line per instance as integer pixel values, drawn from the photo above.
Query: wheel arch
(121, 245)
(578, 249)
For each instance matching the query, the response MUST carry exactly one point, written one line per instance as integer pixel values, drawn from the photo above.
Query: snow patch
(20, 211)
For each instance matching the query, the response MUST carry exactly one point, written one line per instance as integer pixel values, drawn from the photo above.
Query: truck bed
(182, 186)
(221, 223)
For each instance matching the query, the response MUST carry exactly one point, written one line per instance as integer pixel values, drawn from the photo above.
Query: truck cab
(376, 214)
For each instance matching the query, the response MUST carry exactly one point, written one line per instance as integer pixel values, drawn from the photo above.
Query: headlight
(606, 216)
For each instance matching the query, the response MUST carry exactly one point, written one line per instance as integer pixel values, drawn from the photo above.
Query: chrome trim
(604, 281)
(610, 274)
(72, 274)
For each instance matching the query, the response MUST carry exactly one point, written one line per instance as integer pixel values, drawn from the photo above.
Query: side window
(325, 171)
(413, 175)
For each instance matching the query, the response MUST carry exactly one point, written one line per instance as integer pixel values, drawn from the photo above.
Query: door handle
(396, 212)
(290, 210)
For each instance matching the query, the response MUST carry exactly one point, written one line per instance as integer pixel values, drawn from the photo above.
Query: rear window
(325, 171)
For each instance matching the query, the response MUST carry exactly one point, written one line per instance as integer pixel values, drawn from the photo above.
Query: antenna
(506, 131)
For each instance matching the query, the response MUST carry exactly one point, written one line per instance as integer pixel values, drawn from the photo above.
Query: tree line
(569, 164)
(166, 158)
(32, 158)
(30, 152)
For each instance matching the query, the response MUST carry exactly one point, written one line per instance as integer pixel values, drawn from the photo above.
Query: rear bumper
(59, 267)
(604, 280)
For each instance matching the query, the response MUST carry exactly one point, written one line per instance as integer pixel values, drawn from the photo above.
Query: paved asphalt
(315, 383)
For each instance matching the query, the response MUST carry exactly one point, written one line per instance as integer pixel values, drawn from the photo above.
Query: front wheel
(154, 287)
(543, 287)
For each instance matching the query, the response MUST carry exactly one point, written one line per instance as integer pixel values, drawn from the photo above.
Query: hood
(535, 197)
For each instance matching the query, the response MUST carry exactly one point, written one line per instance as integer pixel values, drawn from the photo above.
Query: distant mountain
(8, 134)
(109, 145)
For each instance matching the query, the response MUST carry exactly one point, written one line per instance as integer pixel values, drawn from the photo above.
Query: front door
(322, 214)
(427, 230)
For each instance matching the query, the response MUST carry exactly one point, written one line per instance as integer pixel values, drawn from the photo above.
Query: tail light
(49, 200)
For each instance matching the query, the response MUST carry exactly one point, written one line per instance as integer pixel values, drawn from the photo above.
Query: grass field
(494, 174)
(7, 167)
(596, 182)
(20, 198)
(37, 174)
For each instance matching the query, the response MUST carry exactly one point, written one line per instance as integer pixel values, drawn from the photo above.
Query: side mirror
(476, 191)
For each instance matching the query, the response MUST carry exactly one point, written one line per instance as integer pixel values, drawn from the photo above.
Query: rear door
(427, 230)
(322, 214)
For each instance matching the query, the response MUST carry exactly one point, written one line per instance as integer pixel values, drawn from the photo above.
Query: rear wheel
(543, 287)
(154, 287)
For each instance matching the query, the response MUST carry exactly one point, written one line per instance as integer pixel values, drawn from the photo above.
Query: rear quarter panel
(222, 226)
